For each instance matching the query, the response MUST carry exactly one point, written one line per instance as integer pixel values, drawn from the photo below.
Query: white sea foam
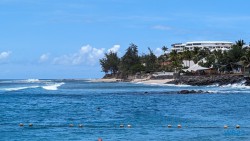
(27, 81)
(32, 80)
(174, 85)
(160, 84)
(231, 92)
(7, 81)
(20, 88)
(240, 85)
(52, 87)
(213, 91)
(215, 85)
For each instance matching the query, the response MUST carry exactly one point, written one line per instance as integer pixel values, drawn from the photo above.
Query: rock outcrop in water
(210, 80)
(192, 92)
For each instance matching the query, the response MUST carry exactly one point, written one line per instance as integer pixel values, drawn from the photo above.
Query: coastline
(212, 80)
(152, 81)
(109, 80)
(143, 81)
(186, 80)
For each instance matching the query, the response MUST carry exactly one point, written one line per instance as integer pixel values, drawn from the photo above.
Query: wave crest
(20, 88)
(53, 87)
(241, 85)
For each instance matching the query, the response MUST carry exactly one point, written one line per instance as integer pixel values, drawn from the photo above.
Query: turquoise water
(52, 105)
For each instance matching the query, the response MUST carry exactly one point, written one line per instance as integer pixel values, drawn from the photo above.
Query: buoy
(225, 126)
(169, 126)
(179, 126)
(21, 124)
(237, 126)
(80, 125)
(30, 125)
(100, 139)
(71, 125)
(121, 126)
(129, 126)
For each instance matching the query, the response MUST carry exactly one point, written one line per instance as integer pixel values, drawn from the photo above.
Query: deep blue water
(51, 105)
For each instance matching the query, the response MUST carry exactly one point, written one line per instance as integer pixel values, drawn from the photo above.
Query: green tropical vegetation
(110, 63)
(132, 63)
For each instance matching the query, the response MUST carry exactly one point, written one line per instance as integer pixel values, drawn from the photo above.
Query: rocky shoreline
(211, 80)
(200, 80)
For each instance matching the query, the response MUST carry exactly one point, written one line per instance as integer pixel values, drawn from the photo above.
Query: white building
(179, 47)
(211, 45)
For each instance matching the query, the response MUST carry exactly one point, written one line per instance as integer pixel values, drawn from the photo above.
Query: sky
(66, 38)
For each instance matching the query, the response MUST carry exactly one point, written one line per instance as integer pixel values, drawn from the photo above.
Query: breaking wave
(27, 81)
(180, 85)
(19, 88)
(170, 85)
(240, 85)
(53, 87)
(32, 80)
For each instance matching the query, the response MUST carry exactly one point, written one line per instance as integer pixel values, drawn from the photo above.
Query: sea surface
(56, 108)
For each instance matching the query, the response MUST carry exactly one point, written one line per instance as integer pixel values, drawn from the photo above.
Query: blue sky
(66, 38)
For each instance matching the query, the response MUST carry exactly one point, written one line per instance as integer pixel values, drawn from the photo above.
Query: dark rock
(175, 82)
(210, 80)
(247, 81)
(184, 92)
(200, 91)
(192, 92)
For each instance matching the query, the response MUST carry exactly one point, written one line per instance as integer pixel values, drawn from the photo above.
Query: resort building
(211, 45)
(179, 47)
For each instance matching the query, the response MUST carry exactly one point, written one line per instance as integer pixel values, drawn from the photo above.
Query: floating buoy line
(124, 126)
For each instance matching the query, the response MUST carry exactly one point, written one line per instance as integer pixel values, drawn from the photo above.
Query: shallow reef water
(83, 110)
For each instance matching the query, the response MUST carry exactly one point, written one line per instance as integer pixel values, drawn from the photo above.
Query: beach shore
(143, 81)
(152, 81)
(106, 80)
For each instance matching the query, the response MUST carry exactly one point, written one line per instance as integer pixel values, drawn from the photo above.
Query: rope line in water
(31, 125)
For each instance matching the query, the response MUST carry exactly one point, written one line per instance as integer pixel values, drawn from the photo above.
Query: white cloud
(161, 27)
(114, 49)
(44, 57)
(86, 55)
(4, 55)
(158, 52)
(85, 49)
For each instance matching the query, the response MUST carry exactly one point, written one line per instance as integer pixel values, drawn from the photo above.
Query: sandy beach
(106, 80)
(144, 81)
(151, 81)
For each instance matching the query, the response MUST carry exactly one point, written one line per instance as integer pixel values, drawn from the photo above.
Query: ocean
(35, 110)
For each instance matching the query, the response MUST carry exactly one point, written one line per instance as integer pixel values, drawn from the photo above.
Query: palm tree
(173, 55)
(176, 59)
(240, 43)
(196, 50)
(235, 53)
(200, 54)
(246, 59)
(187, 55)
(164, 49)
(196, 54)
